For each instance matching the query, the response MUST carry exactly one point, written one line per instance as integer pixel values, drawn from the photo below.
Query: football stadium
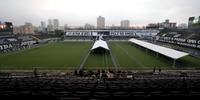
(47, 53)
(98, 64)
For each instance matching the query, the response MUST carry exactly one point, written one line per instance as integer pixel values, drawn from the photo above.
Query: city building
(194, 23)
(153, 26)
(89, 26)
(167, 24)
(50, 26)
(114, 27)
(125, 24)
(50, 22)
(66, 27)
(56, 24)
(27, 28)
(100, 22)
(43, 26)
(182, 26)
(53, 24)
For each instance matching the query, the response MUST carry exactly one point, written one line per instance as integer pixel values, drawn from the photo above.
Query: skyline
(80, 12)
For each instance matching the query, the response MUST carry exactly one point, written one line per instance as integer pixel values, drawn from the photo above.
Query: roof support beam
(174, 63)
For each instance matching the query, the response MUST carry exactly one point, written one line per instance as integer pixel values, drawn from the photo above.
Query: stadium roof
(174, 54)
(100, 43)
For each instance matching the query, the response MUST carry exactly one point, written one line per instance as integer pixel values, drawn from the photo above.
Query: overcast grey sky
(79, 12)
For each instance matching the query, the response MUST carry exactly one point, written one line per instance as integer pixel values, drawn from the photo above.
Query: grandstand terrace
(108, 34)
(12, 43)
(188, 38)
(100, 84)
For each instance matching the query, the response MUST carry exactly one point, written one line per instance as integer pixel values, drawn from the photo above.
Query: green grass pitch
(128, 56)
(131, 56)
(68, 55)
(61, 55)
(99, 61)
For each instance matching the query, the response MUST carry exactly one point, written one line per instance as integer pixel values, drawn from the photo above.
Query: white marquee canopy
(174, 54)
(100, 43)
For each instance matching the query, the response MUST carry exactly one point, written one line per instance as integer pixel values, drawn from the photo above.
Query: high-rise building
(50, 27)
(50, 22)
(100, 22)
(56, 24)
(66, 27)
(125, 24)
(53, 25)
(43, 26)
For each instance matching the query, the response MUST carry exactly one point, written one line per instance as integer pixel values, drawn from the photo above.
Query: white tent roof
(159, 49)
(100, 43)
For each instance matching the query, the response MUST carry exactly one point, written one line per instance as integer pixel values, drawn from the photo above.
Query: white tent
(100, 44)
(174, 54)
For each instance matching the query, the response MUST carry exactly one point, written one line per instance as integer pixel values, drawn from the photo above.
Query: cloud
(79, 12)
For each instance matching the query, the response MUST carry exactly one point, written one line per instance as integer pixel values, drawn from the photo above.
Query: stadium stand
(43, 36)
(180, 39)
(188, 38)
(98, 85)
(12, 43)
(107, 34)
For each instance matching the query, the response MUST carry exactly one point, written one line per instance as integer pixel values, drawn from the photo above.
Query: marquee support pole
(174, 63)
